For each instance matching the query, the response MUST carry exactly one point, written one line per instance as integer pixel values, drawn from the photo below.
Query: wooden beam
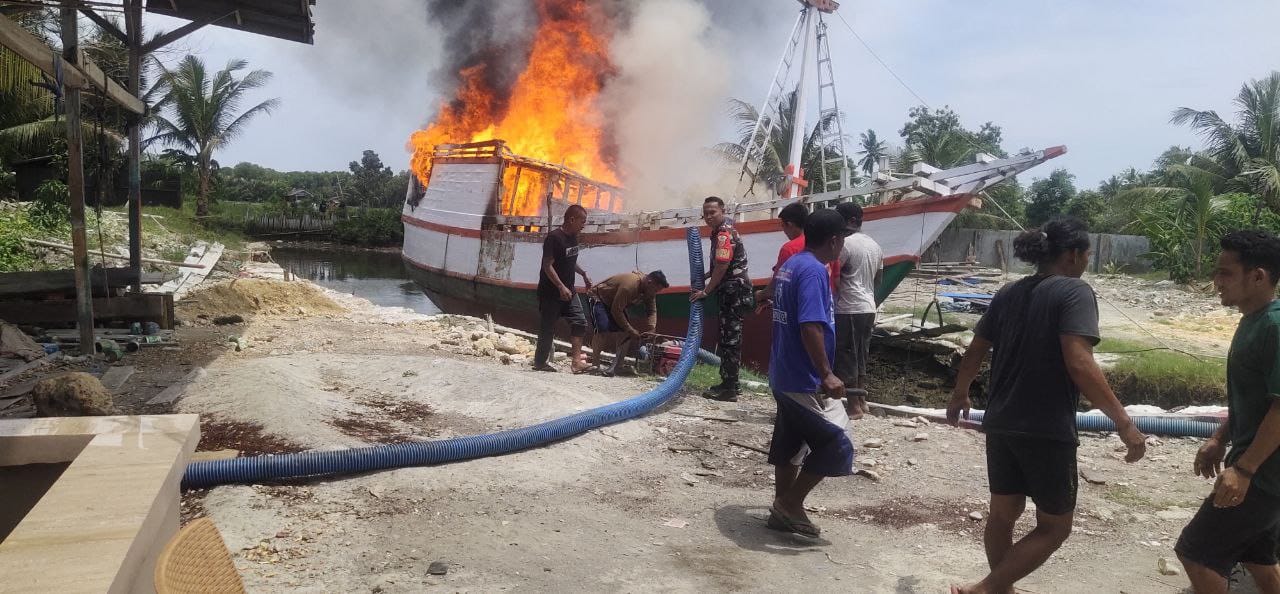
(75, 182)
(166, 38)
(106, 25)
(134, 307)
(85, 75)
(133, 128)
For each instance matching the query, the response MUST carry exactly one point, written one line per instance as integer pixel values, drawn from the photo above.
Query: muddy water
(377, 276)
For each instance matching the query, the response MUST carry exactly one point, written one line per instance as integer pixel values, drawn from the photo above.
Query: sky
(1099, 76)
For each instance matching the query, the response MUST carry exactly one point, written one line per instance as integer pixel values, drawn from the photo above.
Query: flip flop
(587, 369)
(779, 521)
(546, 368)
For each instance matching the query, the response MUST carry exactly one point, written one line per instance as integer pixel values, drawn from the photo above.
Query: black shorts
(853, 345)
(1042, 469)
(1220, 537)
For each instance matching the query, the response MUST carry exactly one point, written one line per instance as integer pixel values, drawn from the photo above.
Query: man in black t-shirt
(1043, 329)
(556, 297)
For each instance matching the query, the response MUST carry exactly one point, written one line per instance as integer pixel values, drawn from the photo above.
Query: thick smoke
(671, 84)
(493, 35)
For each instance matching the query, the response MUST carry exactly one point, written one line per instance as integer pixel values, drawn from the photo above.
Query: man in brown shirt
(609, 302)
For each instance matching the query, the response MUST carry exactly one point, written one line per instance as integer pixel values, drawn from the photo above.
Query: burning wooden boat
(476, 213)
(473, 235)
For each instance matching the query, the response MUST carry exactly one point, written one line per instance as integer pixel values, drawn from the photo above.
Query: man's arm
(618, 308)
(547, 261)
(1234, 482)
(651, 312)
(1208, 463)
(586, 280)
(969, 367)
(1077, 353)
(812, 334)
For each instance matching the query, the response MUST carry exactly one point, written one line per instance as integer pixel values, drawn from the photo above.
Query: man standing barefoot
(1042, 329)
(809, 439)
(1240, 520)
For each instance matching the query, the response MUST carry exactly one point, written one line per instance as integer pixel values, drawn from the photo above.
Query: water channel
(379, 277)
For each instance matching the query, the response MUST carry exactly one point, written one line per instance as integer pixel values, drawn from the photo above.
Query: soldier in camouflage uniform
(728, 280)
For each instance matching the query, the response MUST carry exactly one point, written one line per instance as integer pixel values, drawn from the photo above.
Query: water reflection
(377, 276)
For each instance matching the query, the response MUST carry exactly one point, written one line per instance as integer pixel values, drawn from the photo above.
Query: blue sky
(1098, 76)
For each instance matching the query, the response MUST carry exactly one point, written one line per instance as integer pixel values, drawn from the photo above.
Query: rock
(1167, 567)
(922, 421)
(920, 437)
(72, 394)
(869, 462)
(483, 346)
(912, 462)
(975, 516)
(868, 473)
(689, 479)
(231, 319)
(438, 568)
(873, 443)
(510, 345)
(505, 359)
(907, 424)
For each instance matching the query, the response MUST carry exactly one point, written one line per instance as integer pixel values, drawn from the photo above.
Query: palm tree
(200, 113)
(873, 149)
(772, 163)
(1194, 195)
(1250, 150)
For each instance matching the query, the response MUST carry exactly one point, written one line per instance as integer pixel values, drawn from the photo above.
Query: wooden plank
(41, 362)
(103, 254)
(172, 393)
(87, 74)
(63, 281)
(115, 377)
(102, 523)
(153, 307)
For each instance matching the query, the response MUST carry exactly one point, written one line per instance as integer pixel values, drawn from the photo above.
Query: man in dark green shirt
(1240, 520)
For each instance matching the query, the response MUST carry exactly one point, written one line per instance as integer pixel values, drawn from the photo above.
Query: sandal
(779, 521)
(546, 368)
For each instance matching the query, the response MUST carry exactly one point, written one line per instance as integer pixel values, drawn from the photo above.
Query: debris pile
(255, 296)
(73, 394)
(472, 336)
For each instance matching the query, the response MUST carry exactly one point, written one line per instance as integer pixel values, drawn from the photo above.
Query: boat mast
(795, 175)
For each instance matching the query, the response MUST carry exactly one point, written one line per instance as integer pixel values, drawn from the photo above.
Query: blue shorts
(602, 318)
(810, 432)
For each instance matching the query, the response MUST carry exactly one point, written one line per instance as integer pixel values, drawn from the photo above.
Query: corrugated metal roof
(283, 19)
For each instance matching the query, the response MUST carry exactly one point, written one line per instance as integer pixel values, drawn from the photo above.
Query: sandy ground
(662, 503)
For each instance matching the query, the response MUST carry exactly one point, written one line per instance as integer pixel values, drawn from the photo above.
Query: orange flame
(551, 113)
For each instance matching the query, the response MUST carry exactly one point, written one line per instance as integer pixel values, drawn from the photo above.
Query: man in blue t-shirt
(809, 439)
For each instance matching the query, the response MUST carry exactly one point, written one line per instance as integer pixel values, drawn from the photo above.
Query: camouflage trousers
(735, 301)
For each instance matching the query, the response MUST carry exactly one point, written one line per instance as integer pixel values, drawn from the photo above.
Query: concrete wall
(987, 244)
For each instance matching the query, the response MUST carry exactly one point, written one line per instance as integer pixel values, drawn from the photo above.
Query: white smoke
(673, 80)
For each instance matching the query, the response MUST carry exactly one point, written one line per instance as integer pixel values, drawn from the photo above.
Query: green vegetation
(200, 113)
(704, 376)
(375, 227)
(1130, 497)
(1153, 375)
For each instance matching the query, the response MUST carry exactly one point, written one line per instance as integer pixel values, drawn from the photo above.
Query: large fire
(550, 113)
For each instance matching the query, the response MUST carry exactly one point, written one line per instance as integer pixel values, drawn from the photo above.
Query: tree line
(1182, 204)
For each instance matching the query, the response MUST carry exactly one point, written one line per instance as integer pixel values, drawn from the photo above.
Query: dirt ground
(670, 502)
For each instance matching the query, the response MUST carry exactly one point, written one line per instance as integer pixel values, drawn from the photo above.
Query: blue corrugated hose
(1147, 424)
(258, 468)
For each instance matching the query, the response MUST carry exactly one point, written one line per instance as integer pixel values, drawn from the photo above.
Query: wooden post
(75, 182)
(133, 31)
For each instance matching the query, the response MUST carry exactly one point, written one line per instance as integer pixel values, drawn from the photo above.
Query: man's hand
(1135, 441)
(959, 404)
(1209, 459)
(565, 293)
(636, 334)
(586, 280)
(1230, 489)
(832, 387)
(697, 296)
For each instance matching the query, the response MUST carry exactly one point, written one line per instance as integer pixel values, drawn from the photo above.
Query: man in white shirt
(861, 264)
